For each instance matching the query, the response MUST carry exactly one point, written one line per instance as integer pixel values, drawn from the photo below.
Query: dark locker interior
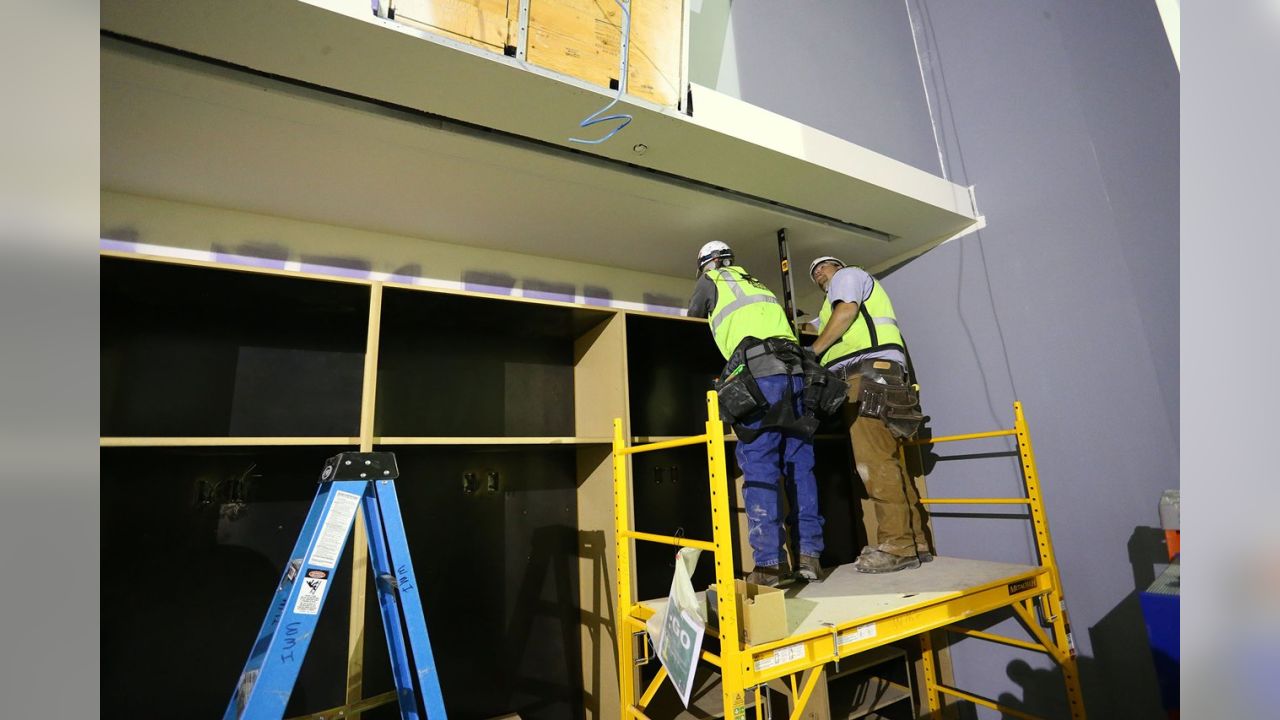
(455, 366)
(192, 351)
(194, 541)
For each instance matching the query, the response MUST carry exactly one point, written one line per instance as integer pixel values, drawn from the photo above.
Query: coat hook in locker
(492, 481)
(468, 482)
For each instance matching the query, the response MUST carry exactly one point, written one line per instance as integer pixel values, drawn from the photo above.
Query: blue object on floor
(1160, 608)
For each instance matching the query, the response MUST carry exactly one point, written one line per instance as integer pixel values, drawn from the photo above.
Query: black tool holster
(824, 391)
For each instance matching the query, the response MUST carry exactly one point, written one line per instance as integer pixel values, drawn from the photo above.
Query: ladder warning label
(781, 656)
(311, 593)
(862, 632)
(333, 533)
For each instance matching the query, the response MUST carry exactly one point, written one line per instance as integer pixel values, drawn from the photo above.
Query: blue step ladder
(350, 482)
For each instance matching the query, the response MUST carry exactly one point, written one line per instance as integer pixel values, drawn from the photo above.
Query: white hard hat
(714, 250)
(824, 259)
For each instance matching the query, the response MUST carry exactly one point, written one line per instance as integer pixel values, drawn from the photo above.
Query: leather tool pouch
(886, 395)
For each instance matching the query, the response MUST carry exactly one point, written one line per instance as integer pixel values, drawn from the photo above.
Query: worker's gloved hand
(809, 353)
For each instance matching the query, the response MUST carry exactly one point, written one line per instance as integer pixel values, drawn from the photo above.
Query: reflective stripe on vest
(744, 309)
(875, 328)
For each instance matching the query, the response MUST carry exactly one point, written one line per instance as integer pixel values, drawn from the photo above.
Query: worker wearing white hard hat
(762, 392)
(860, 340)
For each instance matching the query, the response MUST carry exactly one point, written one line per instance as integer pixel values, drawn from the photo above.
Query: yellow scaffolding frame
(738, 664)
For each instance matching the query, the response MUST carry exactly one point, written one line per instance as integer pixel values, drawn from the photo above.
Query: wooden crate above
(578, 38)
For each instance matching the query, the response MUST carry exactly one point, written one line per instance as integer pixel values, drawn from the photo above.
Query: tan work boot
(922, 553)
(879, 561)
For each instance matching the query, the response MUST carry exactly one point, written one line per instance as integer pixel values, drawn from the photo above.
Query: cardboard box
(762, 612)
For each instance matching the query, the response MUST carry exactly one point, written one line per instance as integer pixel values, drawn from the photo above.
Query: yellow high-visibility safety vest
(744, 308)
(875, 328)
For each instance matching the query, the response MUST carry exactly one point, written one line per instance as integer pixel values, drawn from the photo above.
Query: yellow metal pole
(979, 700)
(652, 690)
(665, 444)
(622, 544)
(929, 660)
(1058, 607)
(670, 540)
(815, 674)
(975, 501)
(1024, 611)
(731, 652)
(957, 438)
(992, 637)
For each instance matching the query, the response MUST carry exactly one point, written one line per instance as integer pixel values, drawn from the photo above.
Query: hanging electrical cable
(595, 117)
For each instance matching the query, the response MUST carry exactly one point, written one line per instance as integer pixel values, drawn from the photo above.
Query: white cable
(942, 162)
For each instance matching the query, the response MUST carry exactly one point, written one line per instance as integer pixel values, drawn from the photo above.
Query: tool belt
(885, 394)
(741, 398)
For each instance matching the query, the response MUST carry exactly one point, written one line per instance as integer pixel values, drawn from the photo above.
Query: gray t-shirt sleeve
(850, 285)
(704, 298)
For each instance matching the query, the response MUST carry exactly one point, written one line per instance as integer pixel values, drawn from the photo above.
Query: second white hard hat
(824, 259)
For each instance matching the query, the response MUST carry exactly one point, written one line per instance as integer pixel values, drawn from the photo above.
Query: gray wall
(1064, 115)
(847, 68)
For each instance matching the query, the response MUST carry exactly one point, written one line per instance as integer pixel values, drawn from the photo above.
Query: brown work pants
(899, 528)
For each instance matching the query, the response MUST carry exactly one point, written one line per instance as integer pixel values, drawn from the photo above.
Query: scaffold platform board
(865, 611)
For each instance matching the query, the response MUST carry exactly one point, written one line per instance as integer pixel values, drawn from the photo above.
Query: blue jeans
(769, 463)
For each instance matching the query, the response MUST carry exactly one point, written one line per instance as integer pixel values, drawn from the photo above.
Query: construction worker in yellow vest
(761, 395)
(860, 341)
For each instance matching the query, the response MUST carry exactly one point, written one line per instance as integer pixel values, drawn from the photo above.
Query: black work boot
(810, 570)
(876, 560)
(771, 576)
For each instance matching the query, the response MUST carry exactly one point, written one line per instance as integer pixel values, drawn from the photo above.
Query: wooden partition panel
(599, 397)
